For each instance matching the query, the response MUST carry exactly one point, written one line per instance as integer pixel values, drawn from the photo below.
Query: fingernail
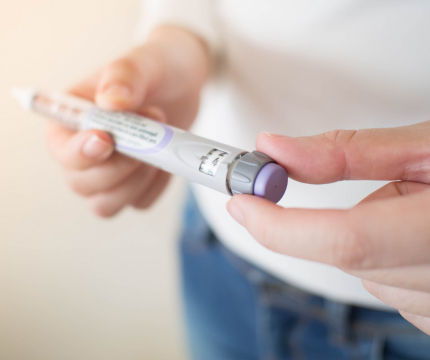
(97, 148)
(269, 134)
(235, 212)
(116, 92)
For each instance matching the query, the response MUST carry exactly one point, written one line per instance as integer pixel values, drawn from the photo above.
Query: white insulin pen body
(221, 167)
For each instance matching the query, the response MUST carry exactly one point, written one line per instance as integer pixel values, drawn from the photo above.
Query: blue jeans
(236, 311)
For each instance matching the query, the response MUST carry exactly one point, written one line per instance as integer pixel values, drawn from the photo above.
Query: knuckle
(348, 249)
(123, 65)
(141, 203)
(341, 137)
(142, 206)
(100, 205)
(77, 185)
(340, 140)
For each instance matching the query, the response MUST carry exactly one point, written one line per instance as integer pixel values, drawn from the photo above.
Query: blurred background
(73, 286)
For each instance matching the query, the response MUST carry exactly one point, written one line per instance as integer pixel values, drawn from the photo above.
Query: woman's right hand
(162, 80)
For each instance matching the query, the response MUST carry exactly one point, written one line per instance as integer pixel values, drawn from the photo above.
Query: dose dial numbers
(211, 161)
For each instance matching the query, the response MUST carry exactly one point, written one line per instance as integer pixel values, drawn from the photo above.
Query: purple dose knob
(271, 182)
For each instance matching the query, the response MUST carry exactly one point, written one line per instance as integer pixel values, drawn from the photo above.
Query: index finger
(401, 153)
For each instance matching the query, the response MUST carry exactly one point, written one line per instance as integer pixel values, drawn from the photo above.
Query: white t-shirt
(303, 67)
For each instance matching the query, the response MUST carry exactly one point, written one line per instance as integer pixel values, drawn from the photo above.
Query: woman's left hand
(385, 239)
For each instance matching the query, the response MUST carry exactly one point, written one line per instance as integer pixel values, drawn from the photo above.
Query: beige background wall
(73, 286)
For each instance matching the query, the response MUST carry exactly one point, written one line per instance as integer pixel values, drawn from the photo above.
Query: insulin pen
(221, 167)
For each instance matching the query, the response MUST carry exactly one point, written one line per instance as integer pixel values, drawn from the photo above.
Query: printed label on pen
(131, 132)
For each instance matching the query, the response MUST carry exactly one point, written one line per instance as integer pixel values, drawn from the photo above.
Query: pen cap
(257, 174)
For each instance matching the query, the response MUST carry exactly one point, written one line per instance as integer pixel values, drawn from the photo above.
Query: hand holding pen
(110, 180)
(161, 80)
(385, 239)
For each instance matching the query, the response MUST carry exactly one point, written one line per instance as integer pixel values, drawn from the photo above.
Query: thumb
(126, 82)
(401, 153)
(377, 234)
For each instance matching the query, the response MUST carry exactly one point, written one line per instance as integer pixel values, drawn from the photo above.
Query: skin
(161, 80)
(385, 239)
